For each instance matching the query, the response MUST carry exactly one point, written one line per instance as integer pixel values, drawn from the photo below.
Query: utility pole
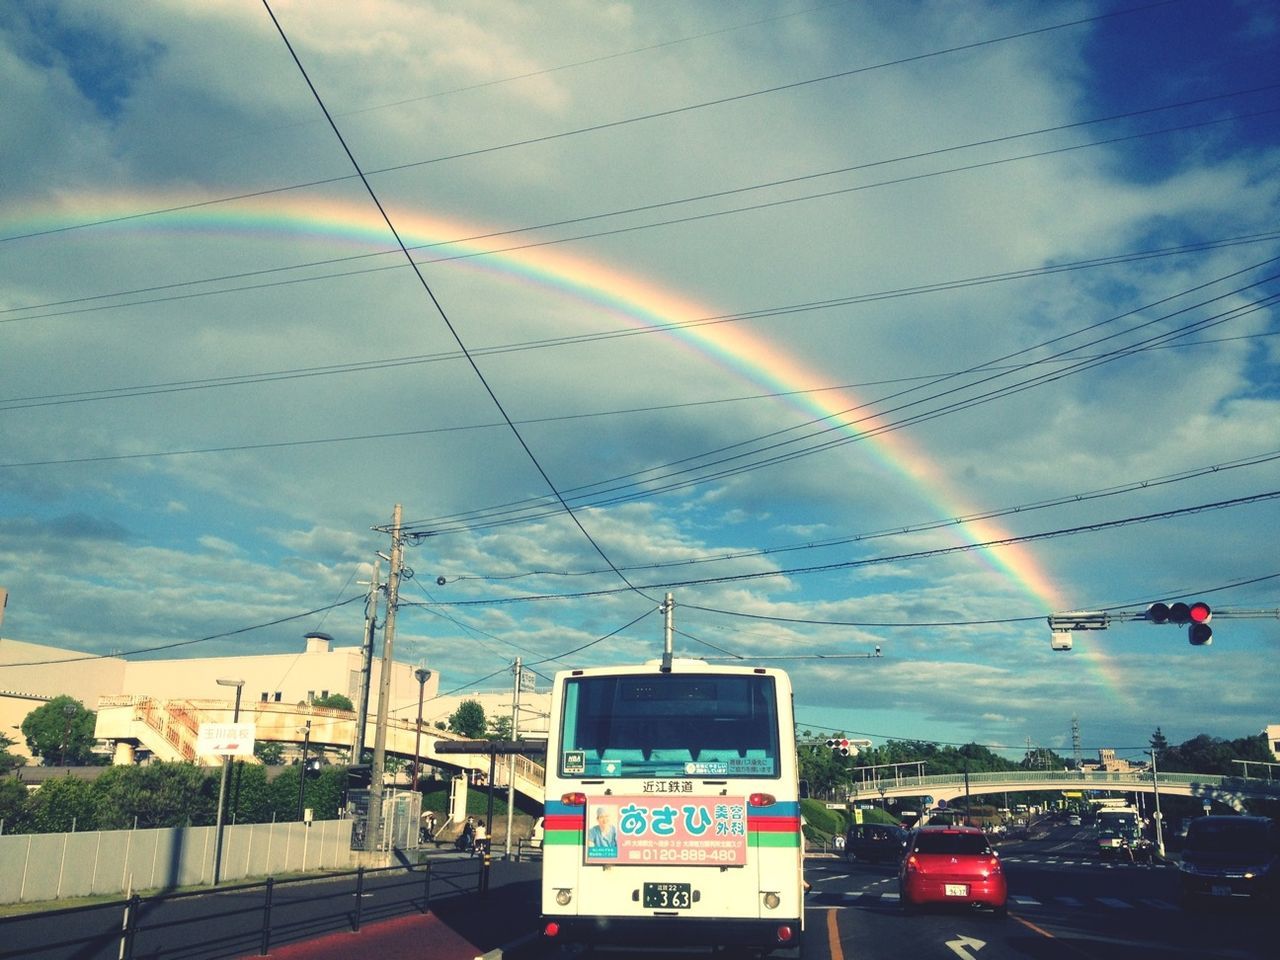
(366, 663)
(1075, 741)
(384, 683)
(518, 670)
(668, 609)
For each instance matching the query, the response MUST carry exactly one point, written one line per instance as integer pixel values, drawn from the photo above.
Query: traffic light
(1197, 615)
(312, 768)
(841, 747)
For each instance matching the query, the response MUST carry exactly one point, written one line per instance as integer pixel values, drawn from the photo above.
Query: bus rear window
(670, 725)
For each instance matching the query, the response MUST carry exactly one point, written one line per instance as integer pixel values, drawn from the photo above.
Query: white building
(32, 674)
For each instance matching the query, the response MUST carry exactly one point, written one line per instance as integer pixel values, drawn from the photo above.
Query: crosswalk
(1089, 863)
(873, 897)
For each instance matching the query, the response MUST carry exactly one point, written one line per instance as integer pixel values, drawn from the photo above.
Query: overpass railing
(1062, 779)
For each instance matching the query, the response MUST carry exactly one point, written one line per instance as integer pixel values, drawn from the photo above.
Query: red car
(945, 864)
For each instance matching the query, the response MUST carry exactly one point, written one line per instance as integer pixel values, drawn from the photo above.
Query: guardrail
(235, 920)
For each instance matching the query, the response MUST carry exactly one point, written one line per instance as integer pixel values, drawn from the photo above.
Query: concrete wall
(52, 866)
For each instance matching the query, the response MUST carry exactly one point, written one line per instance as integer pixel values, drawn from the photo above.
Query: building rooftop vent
(319, 642)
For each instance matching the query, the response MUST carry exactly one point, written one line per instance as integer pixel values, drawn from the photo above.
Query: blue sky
(1034, 243)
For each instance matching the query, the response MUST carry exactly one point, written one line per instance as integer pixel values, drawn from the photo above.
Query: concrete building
(32, 674)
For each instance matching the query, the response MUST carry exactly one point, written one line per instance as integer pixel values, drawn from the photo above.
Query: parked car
(1073, 820)
(952, 865)
(1231, 858)
(875, 842)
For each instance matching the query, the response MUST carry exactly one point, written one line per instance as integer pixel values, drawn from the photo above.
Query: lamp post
(423, 676)
(1155, 791)
(222, 789)
(68, 711)
(302, 770)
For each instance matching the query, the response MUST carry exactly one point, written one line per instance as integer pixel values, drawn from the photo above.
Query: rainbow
(641, 302)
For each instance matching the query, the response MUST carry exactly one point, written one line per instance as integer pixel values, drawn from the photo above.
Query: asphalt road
(1064, 904)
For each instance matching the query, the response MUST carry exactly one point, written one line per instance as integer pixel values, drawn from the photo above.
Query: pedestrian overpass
(1232, 791)
(168, 730)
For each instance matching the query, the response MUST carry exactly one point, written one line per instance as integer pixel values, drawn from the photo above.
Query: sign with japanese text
(225, 739)
(666, 830)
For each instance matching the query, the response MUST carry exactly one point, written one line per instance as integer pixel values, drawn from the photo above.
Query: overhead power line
(675, 111)
(1094, 527)
(490, 251)
(724, 556)
(439, 309)
(186, 643)
(839, 428)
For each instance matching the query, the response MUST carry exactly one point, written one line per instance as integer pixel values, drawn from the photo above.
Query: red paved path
(404, 938)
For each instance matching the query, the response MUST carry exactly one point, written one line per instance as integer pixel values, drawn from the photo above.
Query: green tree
(823, 769)
(500, 728)
(335, 701)
(60, 805)
(59, 730)
(1042, 758)
(13, 797)
(8, 761)
(468, 720)
(269, 752)
(158, 795)
(323, 792)
(248, 797)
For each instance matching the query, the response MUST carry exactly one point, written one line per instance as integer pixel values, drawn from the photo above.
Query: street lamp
(69, 711)
(423, 676)
(1155, 790)
(302, 770)
(222, 789)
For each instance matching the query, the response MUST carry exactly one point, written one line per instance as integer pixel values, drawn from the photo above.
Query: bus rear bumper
(651, 931)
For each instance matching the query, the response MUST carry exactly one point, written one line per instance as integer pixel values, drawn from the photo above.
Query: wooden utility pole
(376, 825)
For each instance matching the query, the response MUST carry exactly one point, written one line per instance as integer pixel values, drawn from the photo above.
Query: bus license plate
(667, 896)
(957, 890)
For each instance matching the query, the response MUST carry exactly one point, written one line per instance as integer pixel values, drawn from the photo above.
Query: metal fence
(53, 866)
(236, 920)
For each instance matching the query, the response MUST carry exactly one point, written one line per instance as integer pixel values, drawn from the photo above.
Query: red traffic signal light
(840, 746)
(1199, 633)
(1196, 614)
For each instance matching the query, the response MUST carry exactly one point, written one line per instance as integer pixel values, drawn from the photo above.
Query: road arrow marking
(961, 947)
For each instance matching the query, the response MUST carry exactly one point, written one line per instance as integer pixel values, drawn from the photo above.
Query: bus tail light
(762, 799)
(574, 799)
(771, 900)
(784, 933)
(551, 930)
(563, 896)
